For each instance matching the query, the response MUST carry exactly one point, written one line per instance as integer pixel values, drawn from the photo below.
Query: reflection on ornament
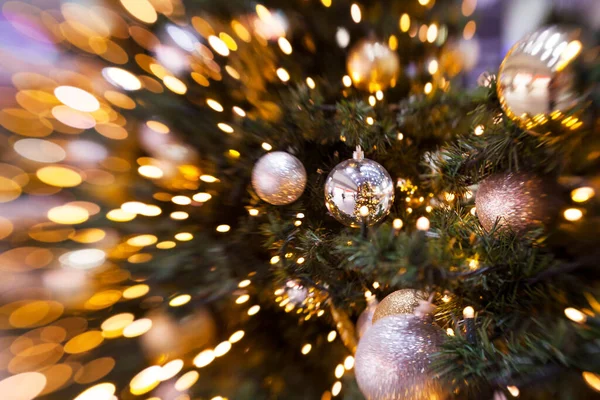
(296, 292)
(403, 301)
(279, 178)
(392, 359)
(358, 183)
(373, 66)
(365, 319)
(537, 84)
(519, 201)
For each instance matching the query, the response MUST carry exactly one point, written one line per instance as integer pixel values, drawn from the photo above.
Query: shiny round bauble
(279, 178)
(357, 183)
(372, 65)
(403, 301)
(517, 201)
(392, 359)
(537, 81)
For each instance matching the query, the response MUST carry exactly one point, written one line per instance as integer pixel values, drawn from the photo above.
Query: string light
(283, 74)
(310, 82)
(285, 45)
(306, 349)
(349, 363)
(355, 13)
(180, 300)
(582, 194)
(513, 390)
(347, 81)
(404, 23)
(336, 388)
(573, 214)
(575, 315)
(253, 310)
(423, 224)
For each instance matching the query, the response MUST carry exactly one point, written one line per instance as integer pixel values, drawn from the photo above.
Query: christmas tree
(295, 200)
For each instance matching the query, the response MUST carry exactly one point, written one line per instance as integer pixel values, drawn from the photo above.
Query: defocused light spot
(134, 207)
(179, 215)
(83, 259)
(180, 300)
(241, 31)
(68, 215)
(9, 190)
(428, 88)
(58, 176)
(342, 37)
(479, 129)
(223, 228)
(224, 127)
(432, 68)
(347, 81)
(208, 178)
(244, 283)
(349, 363)
(283, 74)
(573, 214)
(181, 200)
(336, 388)
(218, 45)
(122, 78)
(94, 370)
(145, 380)
(103, 299)
(84, 342)
(114, 325)
(239, 111)
(339, 371)
(253, 310)
(150, 171)
(513, 390)
(432, 33)
(242, 299)
(593, 380)
(331, 336)
(25, 386)
(184, 39)
(133, 292)
(167, 244)
(158, 127)
(73, 118)
(142, 240)
(119, 215)
(141, 9)
(186, 380)
(39, 150)
(253, 212)
(151, 210)
(355, 13)
(579, 195)
(469, 30)
(215, 105)
(222, 349)
(174, 84)
(229, 41)
(204, 358)
(171, 369)
(137, 328)
(306, 348)
(184, 236)
(101, 391)
(575, 315)
(76, 98)
(285, 45)
(236, 337)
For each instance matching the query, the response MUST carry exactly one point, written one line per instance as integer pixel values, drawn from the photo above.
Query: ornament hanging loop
(358, 154)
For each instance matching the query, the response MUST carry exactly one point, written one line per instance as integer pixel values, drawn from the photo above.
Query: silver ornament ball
(392, 359)
(279, 178)
(365, 319)
(518, 201)
(537, 85)
(357, 183)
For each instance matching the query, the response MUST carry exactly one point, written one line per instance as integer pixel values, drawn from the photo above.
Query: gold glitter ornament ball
(392, 359)
(372, 65)
(519, 201)
(279, 178)
(537, 85)
(403, 301)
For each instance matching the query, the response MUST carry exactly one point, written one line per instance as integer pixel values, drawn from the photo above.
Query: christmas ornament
(279, 178)
(365, 319)
(372, 65)
(518, 200)
(403, 301)
(345, 327)
(392, 359)
(537, 84)
(357, 183)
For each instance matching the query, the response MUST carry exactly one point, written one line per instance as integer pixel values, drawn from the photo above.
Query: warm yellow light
(575, 315)
(158, 127)
(146, 380)
(573, 214)
(571, 51)
(137, 328)
(300, 260)
(180, 300)
(186, 380)
(119, 215)
(593, 380)
(404, 23)
(239, 111)
(224, 127)
(468, 7)
(469, 30)
(424, 2)
(236, 337)
(117, 323)
(397, 224)
(513, 390)
(479, 129)
(283, 74)
(363, 211)
(179, 215)
(142, 240)
(253, 310)
(68, 214)
(244, 283)
(432, 67)
(450, 332)
(266, 146)
(222, 349)
(331, 336)
(202, 197)
(347, 81)
(122, 78)
(285, 45)
(242, 299)
(229, 41)
(310, 82)
(274, 259)
(306, 348)
(370, 121)
(372, 101)
(175, 85)
(263, 12)
(208, 178)
(151, 210)
(141, 9)
(204, 358)
(58, 176)
(582, 194)
(184, 236)
(253, 212)
(468, 312)
(167, 244)
(181, 200)
(432, 33)
(150, 171)
(428, 88)
(76, 98)
(336, 388)
(241, 31)
(170, 369)
(393, 43)
(423, 224)
(101, 391)
(218, 45)
(215, 105)
(135, 291)
(223, 228)
(349, 363)
(355, 13)
(326, 3)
